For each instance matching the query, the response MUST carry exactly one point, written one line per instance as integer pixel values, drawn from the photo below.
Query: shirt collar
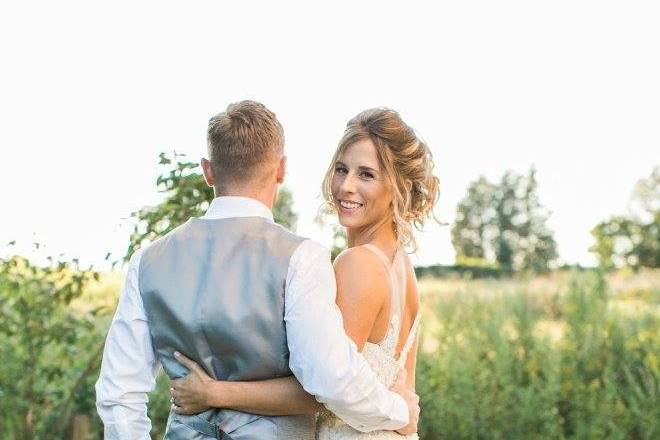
(233, 206)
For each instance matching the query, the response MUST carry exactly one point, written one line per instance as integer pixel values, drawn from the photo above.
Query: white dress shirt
(322, 357)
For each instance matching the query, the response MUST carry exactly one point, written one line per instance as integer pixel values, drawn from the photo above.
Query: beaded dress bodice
(381, 356)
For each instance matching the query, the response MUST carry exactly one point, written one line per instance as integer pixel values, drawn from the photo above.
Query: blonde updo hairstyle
(407, 163)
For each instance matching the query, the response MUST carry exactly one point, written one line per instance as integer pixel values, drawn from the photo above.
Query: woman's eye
(341, 170)
(366, 175)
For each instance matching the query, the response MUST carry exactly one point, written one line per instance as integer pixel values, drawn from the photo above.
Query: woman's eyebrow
(365, 168)
(360, 168)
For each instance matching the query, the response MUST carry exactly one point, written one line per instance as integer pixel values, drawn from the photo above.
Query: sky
(91, 93)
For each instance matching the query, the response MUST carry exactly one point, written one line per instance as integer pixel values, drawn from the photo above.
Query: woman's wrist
(215, 394)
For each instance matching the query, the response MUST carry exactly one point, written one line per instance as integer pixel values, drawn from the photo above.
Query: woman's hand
(400, 387)
(190, 393)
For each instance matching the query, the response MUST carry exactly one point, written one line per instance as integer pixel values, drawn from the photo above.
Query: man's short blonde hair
(243, 142)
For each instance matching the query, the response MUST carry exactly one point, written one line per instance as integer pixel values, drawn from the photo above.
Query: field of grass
(568, 355)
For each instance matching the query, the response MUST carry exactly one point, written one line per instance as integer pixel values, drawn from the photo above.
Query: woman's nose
(348, 184)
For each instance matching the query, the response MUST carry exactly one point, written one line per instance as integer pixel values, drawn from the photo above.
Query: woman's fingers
(400, 381)
(183, 410)
(188, 363)
(403, 374)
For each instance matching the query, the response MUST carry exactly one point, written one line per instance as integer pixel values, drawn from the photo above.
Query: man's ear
(207, 170)
(281, 170)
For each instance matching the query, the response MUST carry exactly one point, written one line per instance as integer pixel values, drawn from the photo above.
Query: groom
(244, 298)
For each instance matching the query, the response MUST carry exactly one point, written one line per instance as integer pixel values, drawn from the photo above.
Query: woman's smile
(361, 194)
(348, 207)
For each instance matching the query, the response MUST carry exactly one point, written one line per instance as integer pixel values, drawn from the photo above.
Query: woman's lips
(349, 207)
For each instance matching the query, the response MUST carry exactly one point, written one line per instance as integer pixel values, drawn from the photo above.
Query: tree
(504, 223)
(632, 240)
(187, 195)
(474, 214)
(645, 200)
(50, 350)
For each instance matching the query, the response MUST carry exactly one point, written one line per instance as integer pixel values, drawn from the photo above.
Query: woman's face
(359, 186)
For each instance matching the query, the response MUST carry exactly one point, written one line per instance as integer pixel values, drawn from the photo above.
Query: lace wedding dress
(381, 357)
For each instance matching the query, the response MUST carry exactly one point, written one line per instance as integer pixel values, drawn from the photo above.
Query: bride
(380, 184)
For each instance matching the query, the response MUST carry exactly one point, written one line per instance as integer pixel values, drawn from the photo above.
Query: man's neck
(266, 196)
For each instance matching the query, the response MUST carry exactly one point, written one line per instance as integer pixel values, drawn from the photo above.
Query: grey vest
(213, 289)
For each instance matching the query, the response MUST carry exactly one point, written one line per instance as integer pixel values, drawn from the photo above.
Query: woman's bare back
(388, 354)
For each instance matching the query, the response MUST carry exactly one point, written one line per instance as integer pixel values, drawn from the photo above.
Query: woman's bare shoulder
(360, 270)
(359, 258)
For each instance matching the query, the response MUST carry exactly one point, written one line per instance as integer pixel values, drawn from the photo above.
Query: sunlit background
(92, 93)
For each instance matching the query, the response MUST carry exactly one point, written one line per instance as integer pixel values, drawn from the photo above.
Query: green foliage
(579, 362)
(569, 364)
(573, 362)
(476, 262)
(186, 195)
(622, 241)
(645, 201)
(159, 406)
(464, 271)
(633, 240)
(326, 218)
(283, 209)
(50, 351)
(474, 215)
(339, 241)
(504, 224)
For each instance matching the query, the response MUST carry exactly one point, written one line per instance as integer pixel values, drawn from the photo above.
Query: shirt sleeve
(323, 358)
(129, 366)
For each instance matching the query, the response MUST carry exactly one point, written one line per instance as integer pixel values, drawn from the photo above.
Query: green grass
(563, 356)
(566, 355)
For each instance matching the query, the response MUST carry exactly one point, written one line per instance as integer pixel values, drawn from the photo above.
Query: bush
(572, 362)
(459, 270)
(50, 351)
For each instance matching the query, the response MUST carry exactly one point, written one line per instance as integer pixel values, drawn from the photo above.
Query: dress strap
(386, 261)
(388, 266)
(403, 356)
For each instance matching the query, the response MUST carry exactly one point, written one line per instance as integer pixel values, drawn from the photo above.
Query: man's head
(246, 150)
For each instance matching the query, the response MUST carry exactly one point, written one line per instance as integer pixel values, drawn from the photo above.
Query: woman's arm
(197, 392)
(360, 297)
(273, 397)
